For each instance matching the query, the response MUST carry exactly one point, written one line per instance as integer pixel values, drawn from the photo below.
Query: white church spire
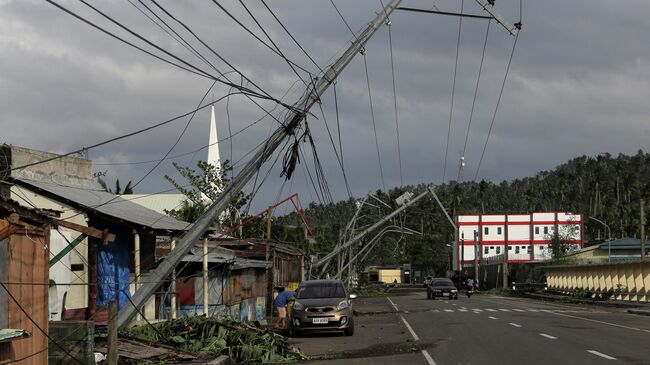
(213, 149)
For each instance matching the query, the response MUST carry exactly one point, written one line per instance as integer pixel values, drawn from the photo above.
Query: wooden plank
(26, 299)
(88, 231)
(40, 305)
(4, 298)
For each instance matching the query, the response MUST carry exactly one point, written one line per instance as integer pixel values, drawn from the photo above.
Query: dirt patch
(385, 349)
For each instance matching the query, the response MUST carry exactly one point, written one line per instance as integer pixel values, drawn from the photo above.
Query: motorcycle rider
(469, 285)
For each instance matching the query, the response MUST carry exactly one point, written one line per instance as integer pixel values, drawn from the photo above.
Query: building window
(509, 248)
(499, 230)
(516, 249)
(545, 230)
(529, 249)
(486, 231)
(498, 250)
(486, 250)
(536, 230)
(541, 248)
(462, 235)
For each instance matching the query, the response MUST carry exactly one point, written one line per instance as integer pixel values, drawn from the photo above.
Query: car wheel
(349, 331)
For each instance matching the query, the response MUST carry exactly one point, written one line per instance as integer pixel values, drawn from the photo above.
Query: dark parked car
(443, 288)
(322, 305)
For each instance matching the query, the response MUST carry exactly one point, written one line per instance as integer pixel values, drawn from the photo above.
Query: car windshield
(443, 283)
(321, 290)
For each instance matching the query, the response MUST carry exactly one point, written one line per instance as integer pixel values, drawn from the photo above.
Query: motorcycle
(470, 291)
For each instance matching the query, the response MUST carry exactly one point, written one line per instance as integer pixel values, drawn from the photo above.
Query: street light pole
(609, 238)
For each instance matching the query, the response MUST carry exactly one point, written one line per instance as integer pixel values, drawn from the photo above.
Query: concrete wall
(627, 280)
(71, 167)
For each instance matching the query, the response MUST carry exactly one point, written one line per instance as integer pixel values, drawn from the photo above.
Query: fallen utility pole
(368, 247)
(370, 229)
(291, 123)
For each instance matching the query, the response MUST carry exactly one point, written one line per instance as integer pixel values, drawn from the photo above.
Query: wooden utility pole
(287, 129)
(112, 356)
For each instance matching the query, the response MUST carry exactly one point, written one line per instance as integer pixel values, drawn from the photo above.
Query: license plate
(445, 294)
(319, 320)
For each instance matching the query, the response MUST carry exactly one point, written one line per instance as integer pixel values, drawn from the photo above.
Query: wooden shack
(24, 279)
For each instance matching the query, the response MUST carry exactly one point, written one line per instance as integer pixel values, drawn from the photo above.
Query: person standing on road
(280, 303)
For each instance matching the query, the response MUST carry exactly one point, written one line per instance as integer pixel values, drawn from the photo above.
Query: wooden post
(173, 287)
(136, 259)
(112, 356)
(205, 278)
(269, 271)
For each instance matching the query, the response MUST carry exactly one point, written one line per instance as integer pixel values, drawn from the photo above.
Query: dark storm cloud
(578, 85)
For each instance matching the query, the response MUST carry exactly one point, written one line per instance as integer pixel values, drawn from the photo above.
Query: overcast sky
(579, 84)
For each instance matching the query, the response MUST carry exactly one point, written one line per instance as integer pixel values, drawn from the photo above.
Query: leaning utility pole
(289, 126)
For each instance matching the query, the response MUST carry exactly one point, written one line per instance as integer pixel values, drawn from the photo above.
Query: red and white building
(526, 236)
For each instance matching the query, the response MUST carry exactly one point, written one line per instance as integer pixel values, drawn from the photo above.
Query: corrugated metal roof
(159, 202)
(222, 257)
(8, 334)
(119, 208)
(625, 243)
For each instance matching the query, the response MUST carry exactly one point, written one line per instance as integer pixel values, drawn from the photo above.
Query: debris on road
(211, 337)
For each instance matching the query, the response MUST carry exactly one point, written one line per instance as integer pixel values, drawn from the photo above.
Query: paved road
(486, 330)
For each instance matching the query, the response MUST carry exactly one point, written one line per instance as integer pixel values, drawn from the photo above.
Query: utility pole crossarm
(511, 28)
(289, 126)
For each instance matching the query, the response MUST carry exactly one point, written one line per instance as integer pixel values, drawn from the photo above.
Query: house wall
(389, 276)
(527, 235)
(77, 295)
(26, 259)
(240, 294)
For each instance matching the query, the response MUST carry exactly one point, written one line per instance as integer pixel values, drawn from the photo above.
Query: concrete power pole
(291, 123)
(359, 236)
(642, 221)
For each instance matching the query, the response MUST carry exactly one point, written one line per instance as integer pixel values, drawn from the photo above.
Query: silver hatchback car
(322, 305)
